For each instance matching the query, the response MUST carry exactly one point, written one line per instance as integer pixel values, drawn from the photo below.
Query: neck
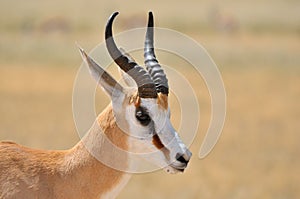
(98, 160)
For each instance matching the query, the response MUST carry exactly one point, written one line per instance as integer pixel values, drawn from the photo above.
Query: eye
(142, 116)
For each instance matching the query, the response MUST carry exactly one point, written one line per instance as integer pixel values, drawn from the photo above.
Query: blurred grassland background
(256, 45)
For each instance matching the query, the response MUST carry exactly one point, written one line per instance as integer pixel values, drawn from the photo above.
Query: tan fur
(135, 99)
(75, 173)
(162, 100)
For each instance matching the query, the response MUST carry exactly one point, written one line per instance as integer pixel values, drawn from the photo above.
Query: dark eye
(142, 116)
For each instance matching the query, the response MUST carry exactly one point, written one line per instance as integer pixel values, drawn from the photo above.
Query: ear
(107, 82)
(125, 77)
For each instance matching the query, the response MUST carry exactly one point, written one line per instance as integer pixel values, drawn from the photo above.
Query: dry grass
(258, 153)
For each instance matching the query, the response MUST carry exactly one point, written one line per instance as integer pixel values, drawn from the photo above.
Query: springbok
(76, 173)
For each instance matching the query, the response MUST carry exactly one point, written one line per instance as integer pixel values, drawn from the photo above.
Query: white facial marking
(160, 125)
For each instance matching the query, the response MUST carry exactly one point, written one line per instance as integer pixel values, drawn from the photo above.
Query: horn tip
(150, 20)
(108, 29)
(115, 14)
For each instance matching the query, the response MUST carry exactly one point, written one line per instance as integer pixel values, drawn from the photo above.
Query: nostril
(180, 157)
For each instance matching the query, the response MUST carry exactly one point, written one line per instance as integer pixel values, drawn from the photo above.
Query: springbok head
(144, 111)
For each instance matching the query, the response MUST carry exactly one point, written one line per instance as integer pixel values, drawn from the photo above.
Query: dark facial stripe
(157, 143)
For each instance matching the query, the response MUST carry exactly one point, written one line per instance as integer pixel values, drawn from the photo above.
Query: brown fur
(75, 173)
(162, 100)
(135, 99)
(157, 143)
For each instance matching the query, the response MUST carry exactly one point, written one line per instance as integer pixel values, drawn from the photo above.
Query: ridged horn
(152, 65)
(146, 86)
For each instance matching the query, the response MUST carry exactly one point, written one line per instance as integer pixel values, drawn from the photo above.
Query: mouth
(179, 170)
(175, 168)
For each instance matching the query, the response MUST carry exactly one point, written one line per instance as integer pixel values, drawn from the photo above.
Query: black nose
(180, 157)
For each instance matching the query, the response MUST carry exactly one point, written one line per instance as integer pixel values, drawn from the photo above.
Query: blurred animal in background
(54, 24)
(222, 21)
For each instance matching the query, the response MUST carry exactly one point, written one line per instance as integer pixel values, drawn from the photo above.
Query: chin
(173, 170)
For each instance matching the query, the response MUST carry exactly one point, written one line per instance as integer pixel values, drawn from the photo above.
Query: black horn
(146, 86)
(152, 65)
